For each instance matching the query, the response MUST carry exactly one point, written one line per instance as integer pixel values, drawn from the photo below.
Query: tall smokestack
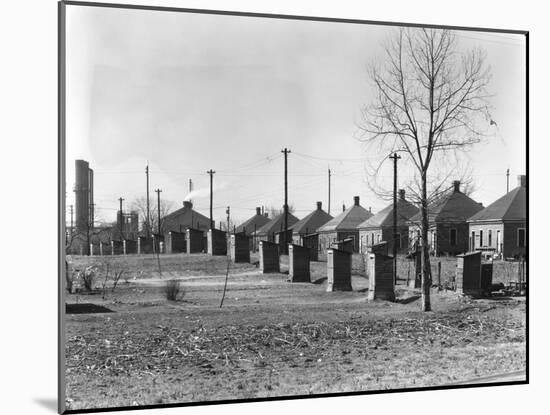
(91, 205)
(82, 195)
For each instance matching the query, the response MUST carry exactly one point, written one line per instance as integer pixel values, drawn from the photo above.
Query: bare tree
(85, 235)
(274, 211)
(233, 223)
(140, 205)
(429, 100)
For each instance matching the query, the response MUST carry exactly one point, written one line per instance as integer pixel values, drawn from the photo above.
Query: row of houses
(457, 224)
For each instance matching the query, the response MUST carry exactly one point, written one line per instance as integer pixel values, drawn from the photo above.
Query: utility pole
(120, 199)
(211, 173)
(71, 219)
(228, 213)
(147, 219)
(328, 191)
(92, 215)
(507, 180)
(286, 151)
(395, 157)
(158, 209)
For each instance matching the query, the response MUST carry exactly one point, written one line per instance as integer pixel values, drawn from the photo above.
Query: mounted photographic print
(262, 206)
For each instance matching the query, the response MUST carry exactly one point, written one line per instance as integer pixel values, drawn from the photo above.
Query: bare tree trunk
(426, 268)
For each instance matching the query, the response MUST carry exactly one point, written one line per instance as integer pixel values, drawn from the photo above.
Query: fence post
(439, 276)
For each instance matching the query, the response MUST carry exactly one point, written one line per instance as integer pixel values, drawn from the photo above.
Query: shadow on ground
(86, 308)
(407, 300)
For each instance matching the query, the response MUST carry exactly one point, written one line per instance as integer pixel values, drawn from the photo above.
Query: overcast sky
(191, 92)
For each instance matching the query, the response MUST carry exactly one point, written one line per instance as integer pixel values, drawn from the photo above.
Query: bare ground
(274, 338)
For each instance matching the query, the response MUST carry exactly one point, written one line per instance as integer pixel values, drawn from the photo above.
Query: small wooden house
(268, 231)
(309, 224)
(253, 224)
(448, 222)
(379, 227)
(183, 218)
(501, 228)
(342, 227)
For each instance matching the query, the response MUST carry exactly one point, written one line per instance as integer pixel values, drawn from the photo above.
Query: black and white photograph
(260, 206)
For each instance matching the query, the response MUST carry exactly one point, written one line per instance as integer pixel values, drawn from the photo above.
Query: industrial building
(379, 227)
(501, 228)
(343, 226)
(448, 222)
(126, 226)
(84, 197)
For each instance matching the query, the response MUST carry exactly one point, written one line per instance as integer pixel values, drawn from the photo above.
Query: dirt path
(200, 279)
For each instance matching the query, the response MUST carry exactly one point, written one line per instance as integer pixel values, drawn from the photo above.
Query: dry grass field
(271, 337)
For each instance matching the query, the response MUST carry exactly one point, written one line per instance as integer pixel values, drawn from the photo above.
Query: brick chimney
(522, 180)
(258, 210)
(456, 185)
(401, 194)
(356, 200)
(319, 205)
(187, 204)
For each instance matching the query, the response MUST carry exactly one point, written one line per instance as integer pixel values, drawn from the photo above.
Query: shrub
(88, 276)
(68, 278)
(173, 290)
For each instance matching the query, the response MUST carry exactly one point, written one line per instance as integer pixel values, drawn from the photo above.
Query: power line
(331, 159)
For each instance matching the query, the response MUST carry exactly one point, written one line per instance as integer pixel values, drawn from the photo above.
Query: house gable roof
(347, 220)
(255, 222)
(405, 211)
(511, 206)
(452, 207)
(186, 215)
(311, 222)
(275, 224)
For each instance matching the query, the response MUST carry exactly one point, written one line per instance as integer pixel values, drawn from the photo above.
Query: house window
(453, 237)
(489, 238)
(521, 237)
(377, 237)
(398, 240)
(372, 238)
(480, 239)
